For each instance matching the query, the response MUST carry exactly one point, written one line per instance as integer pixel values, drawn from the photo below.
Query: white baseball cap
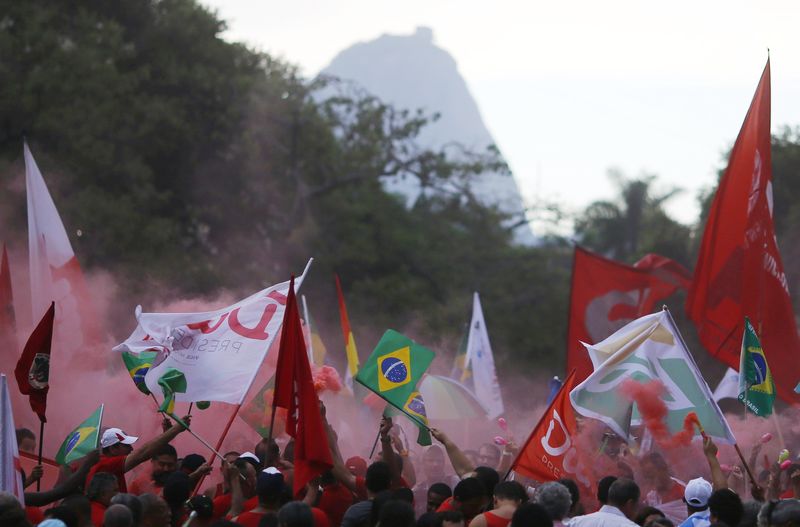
(112, 436)
(697, 492)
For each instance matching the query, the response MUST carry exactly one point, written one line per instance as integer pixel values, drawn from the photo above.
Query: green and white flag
(756, 387)
(646, 349)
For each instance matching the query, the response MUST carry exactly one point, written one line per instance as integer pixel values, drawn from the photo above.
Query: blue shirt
(698, 519)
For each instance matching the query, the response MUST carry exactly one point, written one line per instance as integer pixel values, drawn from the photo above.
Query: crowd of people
(448, 487)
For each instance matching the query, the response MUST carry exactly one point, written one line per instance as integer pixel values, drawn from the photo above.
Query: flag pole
(41, 446)
(746, 466)
(188, 429)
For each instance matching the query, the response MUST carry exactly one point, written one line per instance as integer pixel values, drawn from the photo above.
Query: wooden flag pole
(41, 446)
(746, 466)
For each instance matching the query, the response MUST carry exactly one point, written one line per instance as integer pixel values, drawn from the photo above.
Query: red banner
(33, 368)
(606, 295)
(739, 270)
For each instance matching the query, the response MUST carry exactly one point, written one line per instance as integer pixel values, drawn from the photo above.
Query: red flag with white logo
(739, 272)
(606, 295)
(33, 368)
(294, 391)
(550, 453)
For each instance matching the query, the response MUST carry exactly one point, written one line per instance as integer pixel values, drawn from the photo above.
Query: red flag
(739, 271)
(294, 391)
(550, 453)
(33, 368)
(606, 295)
(8, 331)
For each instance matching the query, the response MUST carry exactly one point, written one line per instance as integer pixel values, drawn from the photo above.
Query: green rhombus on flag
(82, 440)
(756, 387)
(393, 371)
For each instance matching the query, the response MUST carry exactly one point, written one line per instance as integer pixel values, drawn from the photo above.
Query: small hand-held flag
(138, 365)
(171, 382)
(33, 369)
(756, 387)
(393, 371)
(82, 440)
(294, 391)
(349, 340)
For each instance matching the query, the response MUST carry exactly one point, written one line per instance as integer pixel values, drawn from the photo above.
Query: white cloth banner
(219, 352)
(54, 271)
(10, 475)
(728, 387)
(479, 356)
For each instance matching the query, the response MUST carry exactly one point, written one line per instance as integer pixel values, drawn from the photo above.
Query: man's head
(191, 463)
(602, 488)
(555, 498)
(437, 493)
(118, 516)
(531, 514)
(624, 494)
(115, 442)
(433, 463)
(574, 493)
(357, 466)
(449, 519)
(725, 506)
(11, 512)
(696, 495)
(133, 504)
(295, 514)
(155, 512)
(379, 477)
(489, 477)
(26, 441)
(177, 489)
(163, 463)
(469, 497)
(82, 507)
(783, 513)
(489, 455)
(268, 452)
(509, 492)
(270, 488)
(102, 488)
(396, 513)
(249, 482)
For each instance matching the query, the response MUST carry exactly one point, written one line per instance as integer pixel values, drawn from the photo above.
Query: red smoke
(326, 378)
(647, 397)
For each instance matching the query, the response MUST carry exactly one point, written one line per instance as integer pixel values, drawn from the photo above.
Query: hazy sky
(570, 89)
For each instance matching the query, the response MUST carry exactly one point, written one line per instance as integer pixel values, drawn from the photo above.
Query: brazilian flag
(172, 381)
(393, 371)
(138, 366)
(756, 387)
(82, 440)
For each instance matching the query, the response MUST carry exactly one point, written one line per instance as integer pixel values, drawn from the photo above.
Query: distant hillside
(411, 72)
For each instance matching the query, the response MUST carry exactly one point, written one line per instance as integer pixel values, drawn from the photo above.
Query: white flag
(54, 271)
(479, 356)
(646, 349)
(728, 387)
(10, 474)
(219, 352)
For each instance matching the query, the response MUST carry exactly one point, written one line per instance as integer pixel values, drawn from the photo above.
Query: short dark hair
(378, 477)
(165, 450)
(531, 514)
(622, 491)
(80, 505)
(65, 514)
(192, 462)
(660, 522)
(469, 488)
(489, 477)
(177, 488)
(403, 494)
(101, 482)
(396, 513)
(646, 511)
(24, 433)
(442, 489)
(602, 488)
(296, 514)
(572, 487)
(447, 516)
(726, 506)
(510, 490)
(132, 502)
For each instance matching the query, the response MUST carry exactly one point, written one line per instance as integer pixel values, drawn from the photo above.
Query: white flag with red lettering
(219, 352)
(54, 271)
(10, 473)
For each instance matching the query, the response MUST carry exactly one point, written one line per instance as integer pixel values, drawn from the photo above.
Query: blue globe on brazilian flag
(393, 371)
(82, 440)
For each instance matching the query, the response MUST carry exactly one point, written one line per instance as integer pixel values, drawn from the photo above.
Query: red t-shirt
(250, 519)
(493, 520)
(222, 504)
(335, 501)
(447, 505)
(320, 518)
(34, 515)
(98, 512)
(113, 465)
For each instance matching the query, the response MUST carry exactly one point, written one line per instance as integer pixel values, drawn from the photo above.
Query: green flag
(393, 371)
(258, 411)
(82, 440)
(173, 381)
(756, 387)
(138, 366)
